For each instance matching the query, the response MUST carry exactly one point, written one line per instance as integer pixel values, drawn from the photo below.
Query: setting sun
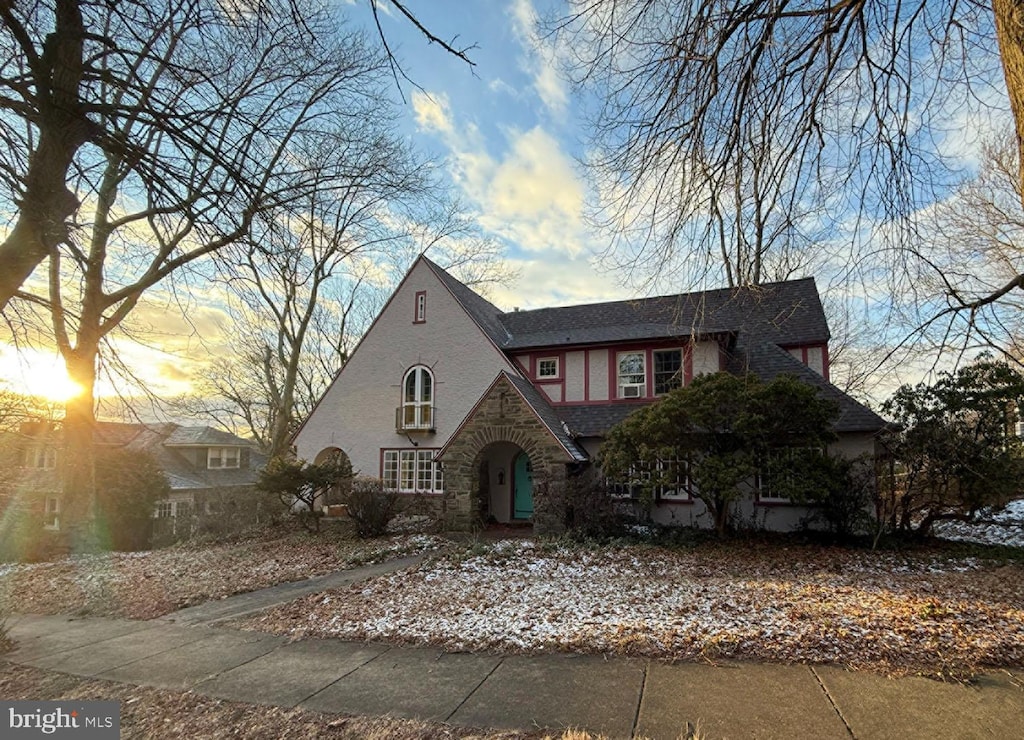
(36, 373)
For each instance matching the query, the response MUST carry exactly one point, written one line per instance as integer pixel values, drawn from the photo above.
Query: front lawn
(145, 585)
(924, 612)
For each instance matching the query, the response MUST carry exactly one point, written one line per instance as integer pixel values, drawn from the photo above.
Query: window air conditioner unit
(632, 391)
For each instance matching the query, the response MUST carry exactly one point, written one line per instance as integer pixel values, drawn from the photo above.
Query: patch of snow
(1002, 527)
(790, 605)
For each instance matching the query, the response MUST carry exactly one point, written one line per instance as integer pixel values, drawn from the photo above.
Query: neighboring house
(202, 465)
(487, 413)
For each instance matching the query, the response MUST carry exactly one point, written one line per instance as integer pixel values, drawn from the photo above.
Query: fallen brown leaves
(150, 584)
(917, 613)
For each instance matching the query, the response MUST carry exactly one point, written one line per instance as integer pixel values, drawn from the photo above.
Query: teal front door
(522, 477)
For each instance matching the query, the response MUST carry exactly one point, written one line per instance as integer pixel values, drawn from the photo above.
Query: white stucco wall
(552, 390)
(357, 413)
(747, 513)
(706, 358)
(598, 374)
(816, 360)
(500, 457)
(574, 376)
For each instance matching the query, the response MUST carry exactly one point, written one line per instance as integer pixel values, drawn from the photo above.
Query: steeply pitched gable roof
(482, 311)
(547, 415)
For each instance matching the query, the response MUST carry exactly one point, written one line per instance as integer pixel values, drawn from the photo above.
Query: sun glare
(36, 374)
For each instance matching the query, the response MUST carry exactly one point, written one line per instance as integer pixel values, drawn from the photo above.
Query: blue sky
(509, 135)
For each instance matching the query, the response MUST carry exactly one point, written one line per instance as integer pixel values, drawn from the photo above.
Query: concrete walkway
(618, 696)
(242, 605)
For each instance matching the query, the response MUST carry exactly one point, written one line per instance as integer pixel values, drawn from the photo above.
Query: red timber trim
(559, 380)
(825, 362)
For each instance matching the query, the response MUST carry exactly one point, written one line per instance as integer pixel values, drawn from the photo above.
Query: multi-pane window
(412, 471)
(51, 515)
(547, 368)
(222, 457)
(418, 399)
(164, 510)
(632, 374)
(668, 370)
(674, 483)
(42, 457)
(389, 473)
(666, 480)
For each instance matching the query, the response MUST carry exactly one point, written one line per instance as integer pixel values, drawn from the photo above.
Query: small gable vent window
(547, 368)
(420, 315)
(218, 458)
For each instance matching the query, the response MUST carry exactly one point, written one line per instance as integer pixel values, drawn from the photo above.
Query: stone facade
(503, 415)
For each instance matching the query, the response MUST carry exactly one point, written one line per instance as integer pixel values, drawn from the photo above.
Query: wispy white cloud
(540, 59)
(557, 280)
(432, 111)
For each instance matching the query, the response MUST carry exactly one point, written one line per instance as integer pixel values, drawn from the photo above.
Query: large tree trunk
(1009, 17)
(79, 460)
(47, 203)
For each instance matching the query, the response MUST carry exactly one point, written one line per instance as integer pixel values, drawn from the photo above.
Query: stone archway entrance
(504, 491)
(501, 434)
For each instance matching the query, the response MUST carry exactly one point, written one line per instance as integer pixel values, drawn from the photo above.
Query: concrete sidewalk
(618, 696)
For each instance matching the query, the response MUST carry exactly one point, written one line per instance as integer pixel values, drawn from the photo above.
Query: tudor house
(486, 412)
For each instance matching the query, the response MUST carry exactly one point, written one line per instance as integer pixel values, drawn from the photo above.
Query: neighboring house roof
(166, 442)
(184, 476)
(204, 437)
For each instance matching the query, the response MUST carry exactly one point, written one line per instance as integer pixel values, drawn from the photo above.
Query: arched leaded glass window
(418, 399)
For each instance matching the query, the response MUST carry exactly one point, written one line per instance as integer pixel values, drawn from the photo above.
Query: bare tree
(730, 137)
(308, 286)
(74, 70)
(190, 175)
(969, 247)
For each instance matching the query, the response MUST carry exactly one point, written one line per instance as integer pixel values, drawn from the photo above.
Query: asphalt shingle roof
(164, 441)
(481, 310)
(595, 421)
(547, 415)
(203, 437)
(761, 321)
(788, 313)
(766, 361)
